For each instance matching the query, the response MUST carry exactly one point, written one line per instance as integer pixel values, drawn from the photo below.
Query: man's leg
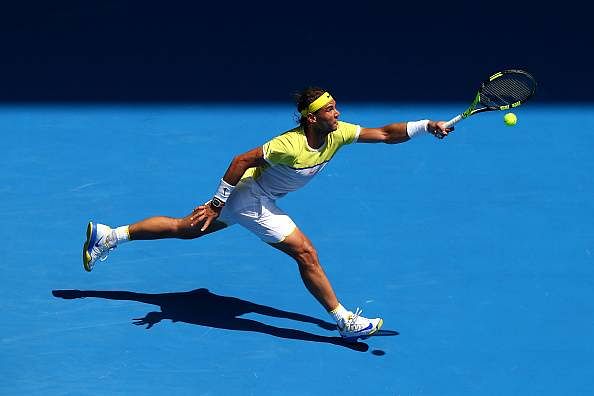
(298, 246)
(102, 239)
(351, 326)
(160, 227)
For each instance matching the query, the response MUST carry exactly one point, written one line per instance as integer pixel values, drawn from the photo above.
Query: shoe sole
(91, 235)
(354, 339)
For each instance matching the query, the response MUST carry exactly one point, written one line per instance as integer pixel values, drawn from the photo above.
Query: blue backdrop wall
(245, 51)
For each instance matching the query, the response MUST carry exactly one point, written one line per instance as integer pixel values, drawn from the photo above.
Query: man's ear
(311, 117)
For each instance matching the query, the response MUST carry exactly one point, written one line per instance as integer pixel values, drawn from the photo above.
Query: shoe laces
(353, 323)
(102, 248)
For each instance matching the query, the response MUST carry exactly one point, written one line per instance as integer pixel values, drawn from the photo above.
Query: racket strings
(507, 90)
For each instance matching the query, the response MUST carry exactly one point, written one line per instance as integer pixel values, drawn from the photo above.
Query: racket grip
(453, 121)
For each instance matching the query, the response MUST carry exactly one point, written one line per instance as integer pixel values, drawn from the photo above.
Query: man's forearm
(395, 133)
(405, 131)
(233, 175)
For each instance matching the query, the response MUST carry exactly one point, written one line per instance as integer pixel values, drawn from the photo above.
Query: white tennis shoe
(101, 240)
(355, 326)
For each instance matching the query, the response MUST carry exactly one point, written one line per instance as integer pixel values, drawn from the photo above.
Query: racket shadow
(203, 308)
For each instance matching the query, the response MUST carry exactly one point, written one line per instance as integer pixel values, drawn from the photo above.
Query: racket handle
(453, 120)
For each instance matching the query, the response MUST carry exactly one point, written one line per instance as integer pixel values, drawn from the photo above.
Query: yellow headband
(317, 104)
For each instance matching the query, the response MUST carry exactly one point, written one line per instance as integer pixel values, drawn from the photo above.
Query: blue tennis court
(478, 252)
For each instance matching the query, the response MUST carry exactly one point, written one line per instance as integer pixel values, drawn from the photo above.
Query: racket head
(507, 89)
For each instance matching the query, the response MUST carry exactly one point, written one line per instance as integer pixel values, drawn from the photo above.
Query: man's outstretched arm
(400, 132)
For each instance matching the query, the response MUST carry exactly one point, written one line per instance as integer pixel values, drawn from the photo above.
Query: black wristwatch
(216, 203)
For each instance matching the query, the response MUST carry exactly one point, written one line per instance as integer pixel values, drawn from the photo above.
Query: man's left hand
(204, 213)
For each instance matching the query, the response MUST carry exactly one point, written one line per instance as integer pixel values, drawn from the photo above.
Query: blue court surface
(478, 252)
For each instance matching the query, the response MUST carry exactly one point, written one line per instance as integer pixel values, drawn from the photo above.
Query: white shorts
(257, 213)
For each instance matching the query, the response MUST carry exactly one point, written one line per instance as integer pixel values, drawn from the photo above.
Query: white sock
(339, 313)
(122, 234)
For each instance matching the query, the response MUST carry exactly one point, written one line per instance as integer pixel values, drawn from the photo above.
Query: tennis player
(252, 184)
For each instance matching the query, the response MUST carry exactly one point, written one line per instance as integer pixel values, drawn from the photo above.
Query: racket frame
(471, 110)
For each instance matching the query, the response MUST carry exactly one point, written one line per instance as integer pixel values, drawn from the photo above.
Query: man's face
(327, 117)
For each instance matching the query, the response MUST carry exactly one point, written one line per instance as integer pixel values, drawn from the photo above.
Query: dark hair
(304, 99)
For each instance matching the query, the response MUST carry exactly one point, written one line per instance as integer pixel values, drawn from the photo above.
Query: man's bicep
(371, 135)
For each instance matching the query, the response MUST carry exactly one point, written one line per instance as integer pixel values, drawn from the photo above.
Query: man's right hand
(438, 129)
(204, 213)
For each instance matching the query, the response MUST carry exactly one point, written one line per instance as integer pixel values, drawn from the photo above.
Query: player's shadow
(201, 307)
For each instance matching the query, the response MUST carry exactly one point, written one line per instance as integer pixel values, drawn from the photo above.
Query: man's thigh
(259, 215)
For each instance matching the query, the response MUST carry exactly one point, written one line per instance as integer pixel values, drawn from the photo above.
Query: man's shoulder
(346, 125)
(348, 132)
(284, 147)
(297, 131)
(291, 137)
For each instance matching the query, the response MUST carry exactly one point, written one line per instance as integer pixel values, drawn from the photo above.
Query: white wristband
(415, 127)
(224, 190)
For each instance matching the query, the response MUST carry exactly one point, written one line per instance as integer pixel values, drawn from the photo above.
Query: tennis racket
(502, 91)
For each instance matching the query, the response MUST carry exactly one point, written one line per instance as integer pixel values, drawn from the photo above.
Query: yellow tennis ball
(510, 119)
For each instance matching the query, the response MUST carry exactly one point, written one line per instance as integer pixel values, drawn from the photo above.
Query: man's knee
(306, 254)
(177, 226)
(185, 230)
(182, 228)
(300, 248)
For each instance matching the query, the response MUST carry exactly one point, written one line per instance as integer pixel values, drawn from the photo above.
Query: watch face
(217, 203)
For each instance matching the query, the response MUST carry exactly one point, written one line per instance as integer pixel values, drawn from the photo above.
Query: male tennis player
(248, 191)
